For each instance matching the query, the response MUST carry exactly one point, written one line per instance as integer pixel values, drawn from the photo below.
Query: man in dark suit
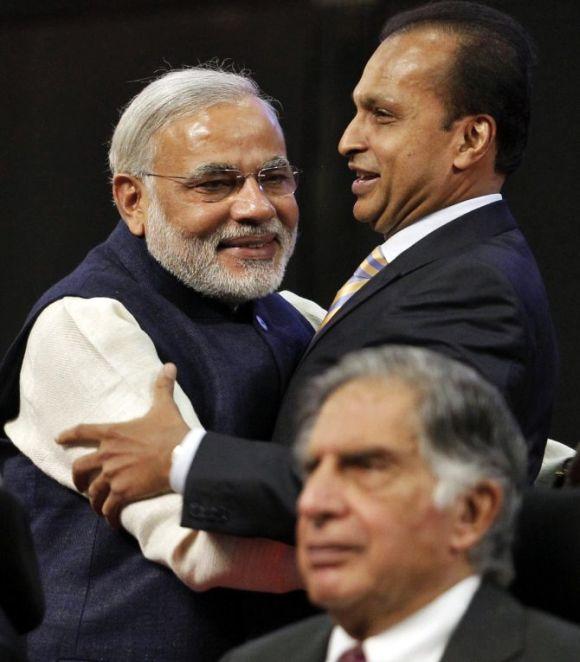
(442, 112)
(413, 475)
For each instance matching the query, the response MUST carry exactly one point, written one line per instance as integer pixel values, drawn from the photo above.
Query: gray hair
(173, 95)
(467, 434)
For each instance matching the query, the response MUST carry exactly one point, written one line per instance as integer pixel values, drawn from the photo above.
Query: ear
(476, 140)
(475, 512)
(132, 201)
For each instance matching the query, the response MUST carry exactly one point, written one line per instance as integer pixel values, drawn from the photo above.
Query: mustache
(235, 231)
(273, 226)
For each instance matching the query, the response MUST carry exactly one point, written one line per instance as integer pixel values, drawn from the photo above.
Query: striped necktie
(368, 268)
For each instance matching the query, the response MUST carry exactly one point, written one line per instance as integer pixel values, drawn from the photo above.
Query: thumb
(164, 384)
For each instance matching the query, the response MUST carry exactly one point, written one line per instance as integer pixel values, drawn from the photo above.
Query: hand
(133, 459)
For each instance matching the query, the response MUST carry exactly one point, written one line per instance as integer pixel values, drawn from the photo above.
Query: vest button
(261, 322)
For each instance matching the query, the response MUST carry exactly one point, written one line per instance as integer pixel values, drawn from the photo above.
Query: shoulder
(552, 638)
(94, 319)
(502, 623)
(305, 641)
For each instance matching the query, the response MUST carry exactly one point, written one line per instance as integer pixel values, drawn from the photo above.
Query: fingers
(98, 491)
(111, 510)
(164, 384)
(82, 435)
(85, 469)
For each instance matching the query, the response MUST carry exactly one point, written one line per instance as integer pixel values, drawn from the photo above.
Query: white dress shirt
(392, 248)
(405, 238)
(422, 637)
(89, 361)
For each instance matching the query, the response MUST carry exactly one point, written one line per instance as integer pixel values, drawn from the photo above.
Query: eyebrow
(276, 162)
(214, 168)
(350, 458)
(367, 454)
(211, 169)
(373, 100)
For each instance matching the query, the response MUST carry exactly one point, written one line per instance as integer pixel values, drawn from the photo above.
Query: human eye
(277, 179)
(210, 183)
(368, 470)
(383, 115)
(308, 466)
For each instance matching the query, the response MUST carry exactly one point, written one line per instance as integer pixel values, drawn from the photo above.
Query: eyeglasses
(217, 185)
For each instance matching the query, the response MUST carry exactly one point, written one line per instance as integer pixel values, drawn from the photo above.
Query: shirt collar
(410, 235)
(422, 637)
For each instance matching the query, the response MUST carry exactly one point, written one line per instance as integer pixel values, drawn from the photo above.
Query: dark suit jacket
(470, 290)
(495, 628)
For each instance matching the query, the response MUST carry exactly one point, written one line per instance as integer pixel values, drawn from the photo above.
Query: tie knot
(370, 266)
(355, 654)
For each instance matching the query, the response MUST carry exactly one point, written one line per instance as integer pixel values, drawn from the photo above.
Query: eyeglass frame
(240, 177)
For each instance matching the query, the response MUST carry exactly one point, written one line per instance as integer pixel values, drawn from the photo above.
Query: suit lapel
(451, 239)
(492, 630)
(312, 646)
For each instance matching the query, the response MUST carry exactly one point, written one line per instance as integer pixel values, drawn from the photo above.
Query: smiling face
(397, 147)
(237, 248)
(372, 546)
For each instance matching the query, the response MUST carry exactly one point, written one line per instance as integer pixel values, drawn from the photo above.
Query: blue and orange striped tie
(369, 267)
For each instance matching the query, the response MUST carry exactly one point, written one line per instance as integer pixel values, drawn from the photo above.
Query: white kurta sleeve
(88, 361)
(309, 309)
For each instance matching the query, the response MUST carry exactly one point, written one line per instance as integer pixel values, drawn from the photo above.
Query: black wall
(67, 68)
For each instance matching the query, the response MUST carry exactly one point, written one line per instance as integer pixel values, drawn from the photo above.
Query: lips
(364, 181)
(251, 247)
(328, 555)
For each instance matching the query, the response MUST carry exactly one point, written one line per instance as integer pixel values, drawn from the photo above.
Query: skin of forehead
(367, 395)
(420, 58)
(234, 126)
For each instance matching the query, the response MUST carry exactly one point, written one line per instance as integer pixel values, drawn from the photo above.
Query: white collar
(421, 637)
(410, 235)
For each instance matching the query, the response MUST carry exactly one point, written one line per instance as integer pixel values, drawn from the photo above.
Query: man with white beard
(206, 193)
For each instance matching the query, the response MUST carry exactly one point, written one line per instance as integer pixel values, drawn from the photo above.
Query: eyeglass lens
(276, 181)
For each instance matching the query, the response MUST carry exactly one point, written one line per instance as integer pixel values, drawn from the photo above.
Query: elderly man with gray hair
(202, 182)
(413, 476)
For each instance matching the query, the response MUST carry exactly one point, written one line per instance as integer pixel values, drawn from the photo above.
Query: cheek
(199, 220)
(287, 211)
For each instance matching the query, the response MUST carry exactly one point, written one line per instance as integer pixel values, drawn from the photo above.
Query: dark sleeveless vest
(105, 601)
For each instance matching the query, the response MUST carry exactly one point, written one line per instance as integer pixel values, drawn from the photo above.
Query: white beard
(194, 261)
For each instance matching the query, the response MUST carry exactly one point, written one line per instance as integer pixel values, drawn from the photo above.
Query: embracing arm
(89, 361)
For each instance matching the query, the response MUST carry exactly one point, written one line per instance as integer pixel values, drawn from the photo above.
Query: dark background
(67, 67)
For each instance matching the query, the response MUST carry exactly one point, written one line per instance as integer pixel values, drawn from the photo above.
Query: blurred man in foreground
(413, 473)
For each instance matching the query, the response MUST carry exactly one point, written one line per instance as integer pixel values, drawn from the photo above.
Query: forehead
(413, 61)
(234, 132)
(367, 413)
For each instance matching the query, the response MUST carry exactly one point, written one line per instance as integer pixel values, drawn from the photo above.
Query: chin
(365, 216)
(329, 592)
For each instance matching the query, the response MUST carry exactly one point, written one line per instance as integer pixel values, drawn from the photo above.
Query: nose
(321, 498)
(352, 140)
(251, 204)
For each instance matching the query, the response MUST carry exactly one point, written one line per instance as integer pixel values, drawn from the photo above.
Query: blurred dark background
(67, 67)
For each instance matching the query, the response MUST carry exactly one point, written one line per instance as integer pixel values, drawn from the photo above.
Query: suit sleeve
(464, 309)
(87, 360)
(255, 483)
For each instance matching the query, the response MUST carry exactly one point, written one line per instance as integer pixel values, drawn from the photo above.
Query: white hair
(466, 433)
(179, 93)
